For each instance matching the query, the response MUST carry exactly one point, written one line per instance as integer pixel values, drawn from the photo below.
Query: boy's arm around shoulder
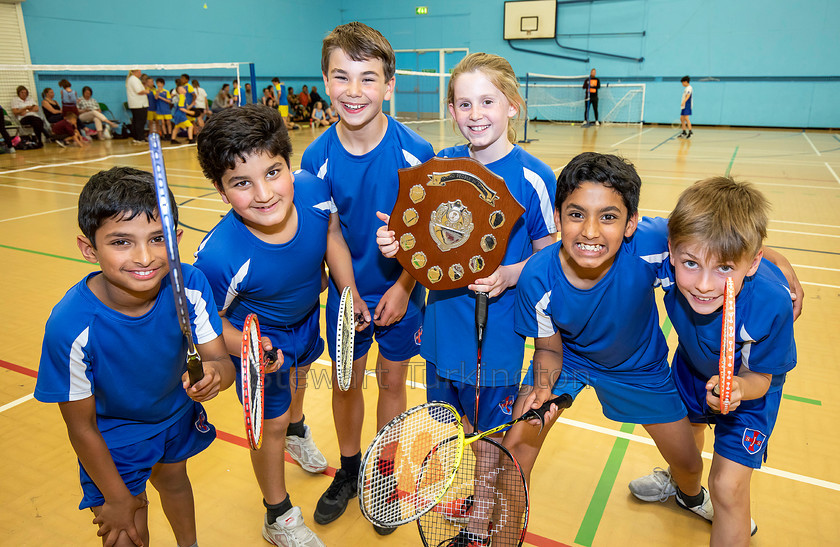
(117, 514)
(797, 293)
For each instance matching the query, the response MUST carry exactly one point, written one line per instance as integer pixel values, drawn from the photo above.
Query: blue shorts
(741, 435)
(301, 343)
(185, 438)
(399, 341)
(685, 111)
(649, 399)
(495, 403)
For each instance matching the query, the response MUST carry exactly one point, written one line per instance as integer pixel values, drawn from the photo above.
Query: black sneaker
(690, 133)
(466, 539)
(334, 501)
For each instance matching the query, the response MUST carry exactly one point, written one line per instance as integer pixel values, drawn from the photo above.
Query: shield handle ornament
(452, 219)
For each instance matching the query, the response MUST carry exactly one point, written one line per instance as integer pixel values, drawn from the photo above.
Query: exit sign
(421, 10)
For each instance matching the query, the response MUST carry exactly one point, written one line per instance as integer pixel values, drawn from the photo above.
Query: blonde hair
(361, 43)
(501, 75)
(727, 218)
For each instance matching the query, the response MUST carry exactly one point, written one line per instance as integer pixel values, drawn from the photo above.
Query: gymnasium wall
(769, 63)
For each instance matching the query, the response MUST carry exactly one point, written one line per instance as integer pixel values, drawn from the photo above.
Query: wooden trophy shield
(452, 220)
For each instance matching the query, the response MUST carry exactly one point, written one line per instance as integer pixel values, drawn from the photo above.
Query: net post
(525, 139)
(253, 83)
(441, 84)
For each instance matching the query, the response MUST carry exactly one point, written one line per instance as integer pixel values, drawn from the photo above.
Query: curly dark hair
(611, 171)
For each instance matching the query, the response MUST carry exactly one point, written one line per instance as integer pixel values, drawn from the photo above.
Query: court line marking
(816, 268)
(836, 226)
(17, 402)
(832, 172)
(631, 137)
(83, 162)
(38, 214)
(757, 183)
(817, 152)
(819, 285)
(731, 161)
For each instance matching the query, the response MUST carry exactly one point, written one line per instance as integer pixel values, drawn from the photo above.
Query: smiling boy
(359, 158)
(716, 232)
(265, 257)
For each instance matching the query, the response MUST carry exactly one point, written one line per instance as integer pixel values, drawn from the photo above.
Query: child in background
(66, 131)
(330, 115)
(163, 107)
(483, 98)
(127, 402)
(265, 257)
(685, 108)
(68, 98)
(715, 232)
(359, 158)
(180, 118)
(155, 125)
(319, 119)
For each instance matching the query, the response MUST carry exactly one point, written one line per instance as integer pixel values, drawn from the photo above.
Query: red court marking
(530, 538)
(18, 368)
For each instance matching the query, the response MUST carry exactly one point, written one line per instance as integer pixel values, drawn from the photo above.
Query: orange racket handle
(726, 365)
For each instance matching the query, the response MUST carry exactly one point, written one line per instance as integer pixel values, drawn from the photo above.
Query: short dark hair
(276, 79)
(230, 135)
(361, 43)
(685, 79)
(63, 83)
(611, 171)
(160, 81)
(122, 192)
(87, 88)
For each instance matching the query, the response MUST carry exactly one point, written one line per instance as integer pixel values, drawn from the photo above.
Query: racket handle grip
(195, 369)
(271, 355)
(480, 313)
(563, 401)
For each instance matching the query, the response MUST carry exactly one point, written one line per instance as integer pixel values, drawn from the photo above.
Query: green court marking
(666, 327)
(729, 168)
(44, 254)
(801, 399)
(595, 511)
(529, 346)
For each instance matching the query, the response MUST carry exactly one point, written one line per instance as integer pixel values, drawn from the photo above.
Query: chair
(105, 110)
(10, 123)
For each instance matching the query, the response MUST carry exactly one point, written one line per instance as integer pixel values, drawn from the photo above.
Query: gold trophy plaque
(452, 219)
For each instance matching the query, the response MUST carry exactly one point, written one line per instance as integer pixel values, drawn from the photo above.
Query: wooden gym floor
(579, 495)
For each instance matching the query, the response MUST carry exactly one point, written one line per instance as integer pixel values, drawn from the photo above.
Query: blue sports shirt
(612, 327)
(281, 283)
(361, 185)
(132, 366)
(449, 338)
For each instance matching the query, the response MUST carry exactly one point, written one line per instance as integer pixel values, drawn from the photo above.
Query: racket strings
(410, 464)
(487, 502)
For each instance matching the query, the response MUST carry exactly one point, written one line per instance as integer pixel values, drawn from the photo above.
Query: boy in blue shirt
(359, 158)
(181, 115)
(163, 108)
(715, 232)
(127, 403)
(265, 257)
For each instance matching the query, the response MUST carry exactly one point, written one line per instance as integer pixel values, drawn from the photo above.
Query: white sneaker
(704, 509)
(289, 530)
(658, 486)
(60, 143)
(305, 452)
(597, 122)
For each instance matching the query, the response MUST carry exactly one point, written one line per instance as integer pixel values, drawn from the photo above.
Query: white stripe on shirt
(322, 171)
(410, 158)
(545, 327)
(546, 207)
(203, 328)
(80, 387)
(232, 290)
(746, 348)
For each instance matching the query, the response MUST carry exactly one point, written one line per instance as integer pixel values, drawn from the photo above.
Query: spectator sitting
(319, 119)
(268, 98)
(89, 111)
(66, 131)
(248, 99)
(330, 115)
(314, 97)
(26, 112)
(52, 110)
(68, 98)
(223, 99)
(296, 111)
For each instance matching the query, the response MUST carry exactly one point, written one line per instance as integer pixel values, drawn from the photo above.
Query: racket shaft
(563, 401)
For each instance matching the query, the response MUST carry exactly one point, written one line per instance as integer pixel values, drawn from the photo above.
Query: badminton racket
(726, 364)
(487, 502)
(176, 276)
(414, 459)
(253, 380)
(344, 337)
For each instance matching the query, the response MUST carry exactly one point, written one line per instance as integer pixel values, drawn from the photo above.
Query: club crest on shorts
(201, 423)
(506, 406)
(753, 440)
(418, 336)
